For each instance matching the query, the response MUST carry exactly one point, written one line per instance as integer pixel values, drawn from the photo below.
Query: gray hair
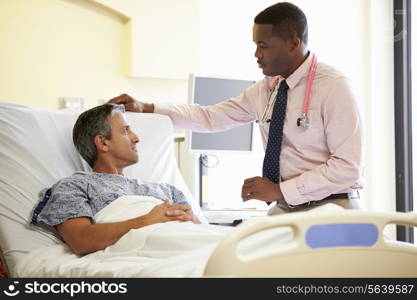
(91, 123)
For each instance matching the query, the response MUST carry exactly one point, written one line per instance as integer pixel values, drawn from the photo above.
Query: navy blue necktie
(270, 168)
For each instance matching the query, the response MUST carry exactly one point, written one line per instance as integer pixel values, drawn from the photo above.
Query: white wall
(46, 52)
(379, 117)
(76, 48)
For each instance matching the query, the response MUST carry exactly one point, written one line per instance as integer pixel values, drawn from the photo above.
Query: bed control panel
(342, 235)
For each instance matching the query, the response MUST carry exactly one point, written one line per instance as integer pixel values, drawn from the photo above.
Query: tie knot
(283, 86)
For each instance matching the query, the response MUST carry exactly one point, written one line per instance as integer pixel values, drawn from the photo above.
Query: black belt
(352, 195)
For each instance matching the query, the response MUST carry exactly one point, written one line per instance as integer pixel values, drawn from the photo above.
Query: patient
(104, 139)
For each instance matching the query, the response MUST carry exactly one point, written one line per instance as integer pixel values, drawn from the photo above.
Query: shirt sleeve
(224, 115)
(68, 200)
(344, 137)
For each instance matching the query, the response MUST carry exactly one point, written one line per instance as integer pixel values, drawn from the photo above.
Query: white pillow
(36, 150)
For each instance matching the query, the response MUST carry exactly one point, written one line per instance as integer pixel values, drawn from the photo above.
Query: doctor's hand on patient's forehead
(131, 104)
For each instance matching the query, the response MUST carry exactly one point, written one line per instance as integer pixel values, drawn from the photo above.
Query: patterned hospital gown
(85, 193)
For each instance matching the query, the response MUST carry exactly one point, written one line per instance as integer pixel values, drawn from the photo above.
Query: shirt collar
(300, 72)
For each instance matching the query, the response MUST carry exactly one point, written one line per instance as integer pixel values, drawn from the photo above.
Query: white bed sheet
(172, 249)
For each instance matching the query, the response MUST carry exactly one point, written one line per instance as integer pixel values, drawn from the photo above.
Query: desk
(228, 216)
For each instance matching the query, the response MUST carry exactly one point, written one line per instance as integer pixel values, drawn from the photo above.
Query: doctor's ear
(101, 143)
(293, 44)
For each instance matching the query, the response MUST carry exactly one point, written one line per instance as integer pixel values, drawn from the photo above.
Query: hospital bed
(36, 150)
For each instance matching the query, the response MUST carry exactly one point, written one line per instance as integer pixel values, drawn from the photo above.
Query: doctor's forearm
(335, 176)
(148, 108)
(218, 117)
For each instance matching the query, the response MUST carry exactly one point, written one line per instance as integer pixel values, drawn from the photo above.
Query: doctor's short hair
(287, 19)
(91, 123)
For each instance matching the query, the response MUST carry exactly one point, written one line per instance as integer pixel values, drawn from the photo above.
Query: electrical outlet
(71, 103)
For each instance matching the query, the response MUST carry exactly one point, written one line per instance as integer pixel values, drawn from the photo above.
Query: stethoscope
(303, 119)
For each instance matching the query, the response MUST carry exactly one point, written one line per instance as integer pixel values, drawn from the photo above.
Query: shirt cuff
(162, 109)
(291, 193)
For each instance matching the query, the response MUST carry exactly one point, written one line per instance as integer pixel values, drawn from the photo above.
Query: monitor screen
(209, 91)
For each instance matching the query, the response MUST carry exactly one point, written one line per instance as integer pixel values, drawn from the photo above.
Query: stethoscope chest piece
(303, 121)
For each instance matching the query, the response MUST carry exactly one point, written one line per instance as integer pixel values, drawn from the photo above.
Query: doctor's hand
(261, 189)
(131, 104)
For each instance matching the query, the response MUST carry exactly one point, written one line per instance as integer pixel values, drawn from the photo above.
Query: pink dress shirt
(322, 159)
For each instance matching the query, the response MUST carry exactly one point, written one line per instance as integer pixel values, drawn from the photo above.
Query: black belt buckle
(304, 205)
(290, 207)
(353, 195)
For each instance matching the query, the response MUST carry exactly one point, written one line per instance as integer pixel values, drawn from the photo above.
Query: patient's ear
(101, 143)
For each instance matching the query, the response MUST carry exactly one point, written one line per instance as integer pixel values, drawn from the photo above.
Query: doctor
(308, 116)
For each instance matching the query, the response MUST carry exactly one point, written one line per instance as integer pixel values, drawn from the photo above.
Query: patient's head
(103, 135)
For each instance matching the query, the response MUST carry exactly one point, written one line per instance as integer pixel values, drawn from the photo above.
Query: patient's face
(122, 145)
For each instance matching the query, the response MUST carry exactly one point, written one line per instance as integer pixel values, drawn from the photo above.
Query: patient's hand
(131, 104)
(182, 211)
(166, 212)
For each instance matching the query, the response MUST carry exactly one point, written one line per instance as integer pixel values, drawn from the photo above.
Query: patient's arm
(83, 237)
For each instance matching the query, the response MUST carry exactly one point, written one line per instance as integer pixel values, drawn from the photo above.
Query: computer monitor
(208, 91)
